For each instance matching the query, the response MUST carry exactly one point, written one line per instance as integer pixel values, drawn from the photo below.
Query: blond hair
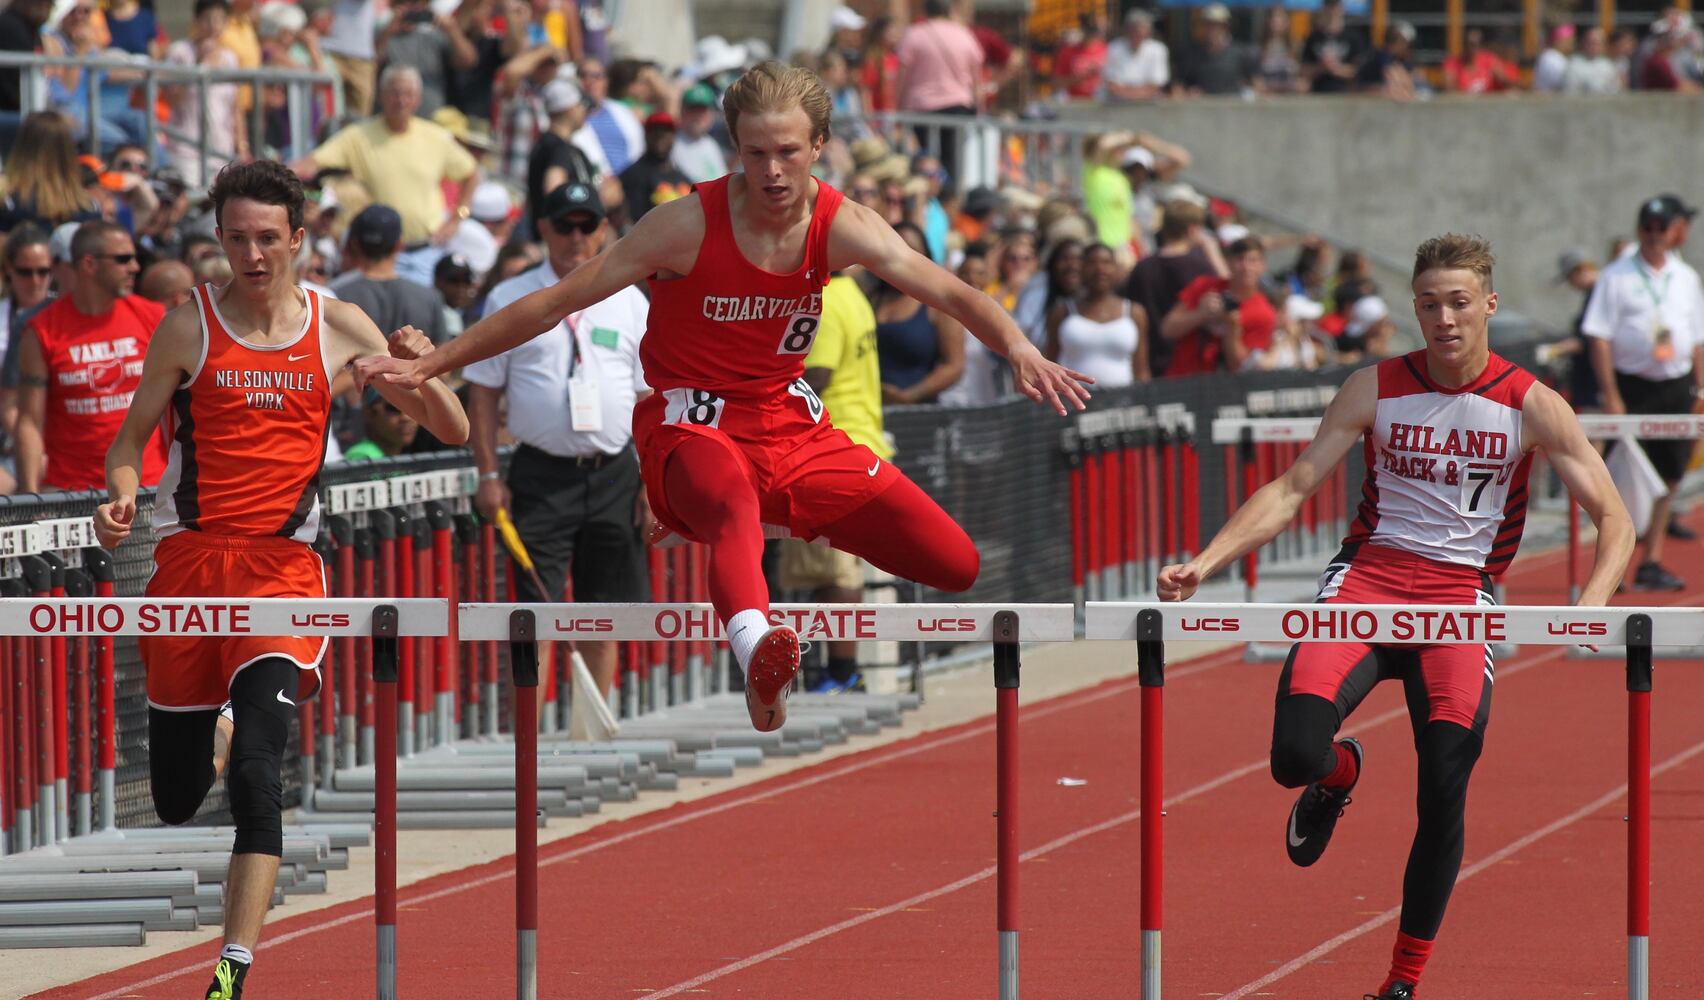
(771, 86)
(1455, 252)
(43, 173)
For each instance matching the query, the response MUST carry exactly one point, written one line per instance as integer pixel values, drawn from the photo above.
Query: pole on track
(80, 656)
(98, 563)
(59, 731)
(1006, 802)
(385, 670)
(523, 659)
(1573, 548)
(1638, 807)
(1151, 674)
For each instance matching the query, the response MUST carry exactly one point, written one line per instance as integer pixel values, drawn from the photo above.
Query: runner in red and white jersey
(245, 372)
(1449, 433)
(733, 437)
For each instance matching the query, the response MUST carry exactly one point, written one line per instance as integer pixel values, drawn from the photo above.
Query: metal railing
(299, 86)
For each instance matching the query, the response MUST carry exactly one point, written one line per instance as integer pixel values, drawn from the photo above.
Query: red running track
(871, 876)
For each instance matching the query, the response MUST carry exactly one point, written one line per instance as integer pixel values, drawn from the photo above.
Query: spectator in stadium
(697, 153)
(878, 70)
(931, 179)
(921, 350)
(351, 44)
(524, 114)
(1276, 68)
(1138, 65)
(1187, 250)
(514, 259)
(940, 70)
(1477, 70)
(1331, 51)
(389, 430)
(1646, 321)
(1551, 68)
(227, 128)
(27, 261)
(1217, 66)
(287, 41)
(42, 176)
(1099, 332)
(653, 178)
(1576, 269)
(1661, 69)
(167, 282)
(403, 161)
(573, 483)
(1353, 278)
(1390, 69)
(490, 223)
(1117, 190)
(374, 242)
(473, 90)
(1060, 279)
(79, 360)
(455, 280)
(846, 27)
(620, 137)
(1080, 59)
(80, 31)
(844, 370)
(1591, 70)
(433, 45)
(986, 376)
(1367, 327)
(562, 154)
(1016, 265)
(1223, 324)
(20, 31)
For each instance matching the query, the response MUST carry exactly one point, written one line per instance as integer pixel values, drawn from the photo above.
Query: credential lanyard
(1650, 288)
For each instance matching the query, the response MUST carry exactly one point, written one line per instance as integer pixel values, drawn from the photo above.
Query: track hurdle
(1151, 625)
(523, 626)
(44, 618)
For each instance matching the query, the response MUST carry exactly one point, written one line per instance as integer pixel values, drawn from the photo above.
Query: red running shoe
(774, 662)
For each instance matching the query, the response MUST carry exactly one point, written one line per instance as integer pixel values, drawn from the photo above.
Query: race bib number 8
(813, 402)
(693, 406)
(801, 334)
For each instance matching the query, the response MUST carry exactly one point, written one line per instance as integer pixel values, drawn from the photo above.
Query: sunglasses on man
(565, 225)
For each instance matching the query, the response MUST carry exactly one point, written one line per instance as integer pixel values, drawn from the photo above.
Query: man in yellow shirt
(402, 160)
(843, 369)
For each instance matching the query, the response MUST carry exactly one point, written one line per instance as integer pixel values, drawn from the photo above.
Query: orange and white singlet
(247, 432)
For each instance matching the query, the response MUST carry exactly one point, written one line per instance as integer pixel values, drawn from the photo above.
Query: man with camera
(1222, 323)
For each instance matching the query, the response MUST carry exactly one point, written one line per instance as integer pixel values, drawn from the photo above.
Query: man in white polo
(573, 484)
(1645, 330)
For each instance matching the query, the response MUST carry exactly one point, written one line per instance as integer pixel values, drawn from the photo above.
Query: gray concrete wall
(1533, 174)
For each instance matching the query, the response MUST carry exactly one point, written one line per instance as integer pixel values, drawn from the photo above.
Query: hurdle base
(1620, 653)
(1008, 965)
(1264, 652)
(1638, 967)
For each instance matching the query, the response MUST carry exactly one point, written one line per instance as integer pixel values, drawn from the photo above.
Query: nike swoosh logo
(295, 357)
(871, 471)
(1295, 841)
(285, 700)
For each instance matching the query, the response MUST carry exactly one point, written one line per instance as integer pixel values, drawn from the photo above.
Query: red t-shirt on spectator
(1200, 351)
(1659, 74)
(1476, 75)
(94, 364)
(880, 77)
(1089, 58)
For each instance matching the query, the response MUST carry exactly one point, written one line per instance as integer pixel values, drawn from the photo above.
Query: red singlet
(730, 327)
(94, 364)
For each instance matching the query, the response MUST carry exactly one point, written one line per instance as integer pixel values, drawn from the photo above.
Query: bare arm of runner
(1274, 505)
(860, 236)
(174, 349)
(666, 239)
(1550, 424)
(431, 404)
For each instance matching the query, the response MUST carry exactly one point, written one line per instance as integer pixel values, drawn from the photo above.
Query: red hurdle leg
(523, 659)
(488, 665)
(366, 584)
(383, 653)
(60, 731)
(1638, 807)
(444, 587)
(1151, 674)
(1006, 627)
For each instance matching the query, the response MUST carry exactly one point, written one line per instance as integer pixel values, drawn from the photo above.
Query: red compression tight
(900, 530)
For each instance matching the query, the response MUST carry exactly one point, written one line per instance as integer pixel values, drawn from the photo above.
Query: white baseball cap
(59, 244)
(1367, 312)
(1138, 156)
(560, 95)
(491, 202)
(845, 18)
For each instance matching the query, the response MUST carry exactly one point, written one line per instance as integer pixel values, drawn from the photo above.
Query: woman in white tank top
(1099, 333)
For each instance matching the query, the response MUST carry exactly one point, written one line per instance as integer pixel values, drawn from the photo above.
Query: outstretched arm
(1551, 425)
(860, 236)
(654, 244)
(174, 347)
(1274, 505)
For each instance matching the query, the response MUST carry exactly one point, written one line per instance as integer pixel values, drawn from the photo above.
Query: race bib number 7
(698, 407)
(801, 334)
(1484, 487)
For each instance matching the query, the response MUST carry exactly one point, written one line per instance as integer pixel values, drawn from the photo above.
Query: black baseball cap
(1663, 210)
(573, 197)
(452, 267)
(376, 230)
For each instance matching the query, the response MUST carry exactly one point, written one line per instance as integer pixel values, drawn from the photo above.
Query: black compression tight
(180, 757)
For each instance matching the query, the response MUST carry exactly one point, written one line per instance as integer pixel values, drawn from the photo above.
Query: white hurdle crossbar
(523, 626)
(1598, 427)
(1151, 625)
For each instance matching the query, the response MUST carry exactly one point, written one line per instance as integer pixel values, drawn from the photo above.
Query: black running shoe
(227, 980)
(1652, 576)
(1678, 529)
(1315, 814)
(1397, 991)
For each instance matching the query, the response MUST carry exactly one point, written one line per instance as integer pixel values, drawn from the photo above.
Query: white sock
(744, 629)
(237, 953)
